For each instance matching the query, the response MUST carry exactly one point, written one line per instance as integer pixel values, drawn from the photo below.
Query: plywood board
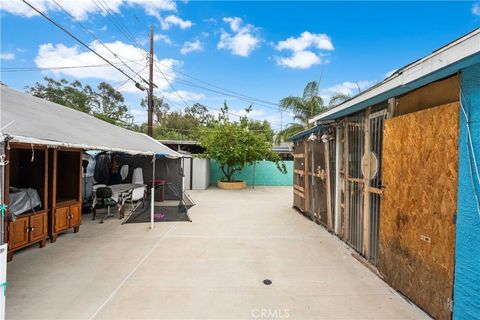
(434, 94)
(417, 232)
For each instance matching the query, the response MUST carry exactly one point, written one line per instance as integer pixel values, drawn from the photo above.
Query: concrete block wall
(266, 174)
(467, 252)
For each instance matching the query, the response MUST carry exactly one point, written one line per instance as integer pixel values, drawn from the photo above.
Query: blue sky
(266, 50)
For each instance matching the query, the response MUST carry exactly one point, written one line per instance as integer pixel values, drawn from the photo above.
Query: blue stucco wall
(467, 253)
(266, 174)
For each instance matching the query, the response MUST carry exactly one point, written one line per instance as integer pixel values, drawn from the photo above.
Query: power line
(32, 68)
(79, 41)
(124, 30)
(235, 93)
(119, 25)
(124, 82)
(96, 38)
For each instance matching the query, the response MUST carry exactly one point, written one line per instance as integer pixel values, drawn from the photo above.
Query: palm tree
(338, 98)
(305, 107)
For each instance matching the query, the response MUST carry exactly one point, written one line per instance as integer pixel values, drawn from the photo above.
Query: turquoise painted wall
(266, 174)
(467, 252)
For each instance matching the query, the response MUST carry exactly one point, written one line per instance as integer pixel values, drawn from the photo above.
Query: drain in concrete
(267, 282)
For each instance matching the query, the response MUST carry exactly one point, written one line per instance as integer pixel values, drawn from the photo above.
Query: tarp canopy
(28, 119)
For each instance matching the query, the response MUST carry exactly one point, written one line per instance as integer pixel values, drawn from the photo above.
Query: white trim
(443, 57)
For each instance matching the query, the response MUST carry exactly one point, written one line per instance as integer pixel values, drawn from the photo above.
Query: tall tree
(70, 94)
(105, 102)
(305, 107)
(160, 107)
(200, 112)
(109, 105)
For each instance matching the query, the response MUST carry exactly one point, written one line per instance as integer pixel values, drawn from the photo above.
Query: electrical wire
(96, 38)
(78, 40)
(124, 30)
(28, 69)
(119, 25)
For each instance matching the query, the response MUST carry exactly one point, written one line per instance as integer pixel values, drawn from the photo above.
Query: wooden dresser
(65, 189)
(27, 168)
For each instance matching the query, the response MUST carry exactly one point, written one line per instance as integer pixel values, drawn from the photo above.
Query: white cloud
(81, 9)
(186, 95)
(300, 60)
(7, 56)
(476, 9)
(162, 37)
(348, 87)
(243, 39)
(302, 56)
(234, 22)
(104, 28)
(191, 46)
(306, 40)
(173, 20)
(50, 55)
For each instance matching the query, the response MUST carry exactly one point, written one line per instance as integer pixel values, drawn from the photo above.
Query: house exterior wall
(467, 256)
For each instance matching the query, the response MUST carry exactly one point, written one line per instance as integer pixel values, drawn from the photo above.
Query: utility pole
(150, 87)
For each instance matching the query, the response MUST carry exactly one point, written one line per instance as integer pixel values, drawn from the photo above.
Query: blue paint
(266, 174)
(304, 133)
(467, 253)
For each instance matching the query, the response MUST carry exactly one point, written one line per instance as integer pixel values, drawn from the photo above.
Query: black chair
(104, 199)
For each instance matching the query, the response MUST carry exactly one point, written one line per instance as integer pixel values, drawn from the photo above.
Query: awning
(28, 119)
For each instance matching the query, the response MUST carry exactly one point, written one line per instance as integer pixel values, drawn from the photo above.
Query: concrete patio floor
(211, 268)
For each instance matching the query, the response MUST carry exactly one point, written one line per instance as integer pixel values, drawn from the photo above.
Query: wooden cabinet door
(38, 226)
(61, 219)
(75, 215)
(18, 233)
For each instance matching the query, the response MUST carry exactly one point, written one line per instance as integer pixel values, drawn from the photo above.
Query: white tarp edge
(57, 144)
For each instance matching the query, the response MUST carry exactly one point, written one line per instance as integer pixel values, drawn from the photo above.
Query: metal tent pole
(152, 195)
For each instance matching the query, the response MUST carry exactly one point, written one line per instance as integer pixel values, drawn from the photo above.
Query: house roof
(443, 62)
(28, 119)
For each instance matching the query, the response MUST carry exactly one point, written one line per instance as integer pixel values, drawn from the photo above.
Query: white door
(3, 279)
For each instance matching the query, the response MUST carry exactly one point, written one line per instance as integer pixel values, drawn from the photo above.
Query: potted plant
(237, 144)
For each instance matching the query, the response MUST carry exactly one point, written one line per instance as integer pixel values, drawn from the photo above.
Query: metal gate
(363, 138)
(375, 184)
(355, 135)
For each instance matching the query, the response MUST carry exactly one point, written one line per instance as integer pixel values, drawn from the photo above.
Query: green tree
(108, 104)
(200, 112)
(160, 107)
(105, 102)
(70, 94)
(338, 98)
(236, 144)
(306, 107)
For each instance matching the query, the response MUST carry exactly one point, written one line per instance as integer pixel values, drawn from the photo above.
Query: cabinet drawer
(61, 219)
(18, 233)
(38, 226)
(75, 215)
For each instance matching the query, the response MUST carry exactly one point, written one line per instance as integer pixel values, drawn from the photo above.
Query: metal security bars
(376, 144)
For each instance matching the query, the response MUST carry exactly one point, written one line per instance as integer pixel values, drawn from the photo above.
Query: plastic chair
(103, 200)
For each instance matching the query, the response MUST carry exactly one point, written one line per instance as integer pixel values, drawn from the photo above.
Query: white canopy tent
(28, 119)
